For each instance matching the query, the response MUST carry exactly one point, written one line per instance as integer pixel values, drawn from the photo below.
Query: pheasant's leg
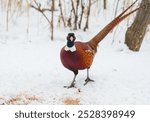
(88, 78)
(73, 82)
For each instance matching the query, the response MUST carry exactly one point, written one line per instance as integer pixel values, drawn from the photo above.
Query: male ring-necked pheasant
(79, 55)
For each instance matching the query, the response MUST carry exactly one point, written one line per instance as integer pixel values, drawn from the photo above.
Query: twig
(38, 8)
(42, 10)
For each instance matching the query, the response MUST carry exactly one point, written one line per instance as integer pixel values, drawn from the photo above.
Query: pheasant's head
(70, 39)
(70, 42)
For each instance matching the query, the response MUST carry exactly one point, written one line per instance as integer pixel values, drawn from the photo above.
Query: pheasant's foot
(71, 86)
(88, 80)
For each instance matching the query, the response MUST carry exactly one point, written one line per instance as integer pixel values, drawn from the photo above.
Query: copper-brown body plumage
(80, 59)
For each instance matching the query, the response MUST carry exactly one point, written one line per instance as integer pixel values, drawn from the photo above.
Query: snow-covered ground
(31, 71)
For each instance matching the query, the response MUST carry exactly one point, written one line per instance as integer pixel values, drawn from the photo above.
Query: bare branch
(38, 8)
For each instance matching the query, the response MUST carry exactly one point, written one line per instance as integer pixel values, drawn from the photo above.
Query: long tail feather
(98, 38)
(126, 9)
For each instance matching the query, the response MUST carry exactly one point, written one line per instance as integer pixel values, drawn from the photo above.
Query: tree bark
(75, 12)
(87, 19)
(81, 16)
(136, 32)
(61, 13)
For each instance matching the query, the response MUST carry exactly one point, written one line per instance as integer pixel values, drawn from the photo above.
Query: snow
(31, 71)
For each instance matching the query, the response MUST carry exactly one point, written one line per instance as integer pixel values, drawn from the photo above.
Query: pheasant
(76, 55)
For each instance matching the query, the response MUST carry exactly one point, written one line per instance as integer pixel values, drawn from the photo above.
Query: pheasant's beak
(71, 38)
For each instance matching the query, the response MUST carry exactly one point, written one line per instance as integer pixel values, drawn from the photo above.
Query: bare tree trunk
(61, 13)
(52, 20)
(69, 20)
(76, 15)
(114, 17)
(81, 16)
(7, 15)
(75, 12)
(116, 8)
(105, 4)
(135, 33)
(88, 14)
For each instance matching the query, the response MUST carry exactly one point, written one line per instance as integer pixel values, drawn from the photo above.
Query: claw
(88, 80)
(71, 86)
